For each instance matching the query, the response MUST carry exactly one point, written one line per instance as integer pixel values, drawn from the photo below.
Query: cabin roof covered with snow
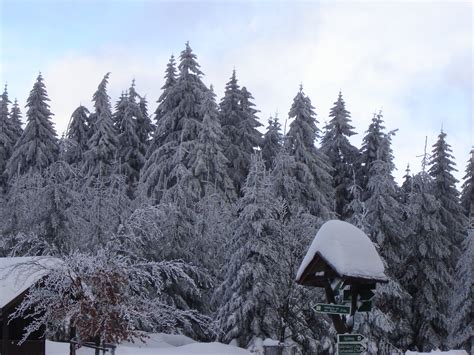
(17, 274)
(343, 250)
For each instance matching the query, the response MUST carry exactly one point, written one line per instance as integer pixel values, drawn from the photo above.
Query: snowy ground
(451, 352)
(166, 344)
(157, 344)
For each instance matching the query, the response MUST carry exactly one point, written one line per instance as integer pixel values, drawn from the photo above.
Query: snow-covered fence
(104, 347)
(385, 348)
(278, 348)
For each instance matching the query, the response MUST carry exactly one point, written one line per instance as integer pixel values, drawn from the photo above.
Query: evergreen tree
(461, 329)
(246, 308)
(129, 154)
(134, 130)
(272, 142)
(312, 169)
(467, 194)
(119, 112)
(239, 125)
(145, 127)
(6, 135)
(77, 136)
(384, 226)
(444, 190)
(407, 184)
(101, 155)
(15, 120)
(343, 156)
(37, 147)
(427, 277)
(177, 132)
(208, 163)
(373, 149)
(165, 100)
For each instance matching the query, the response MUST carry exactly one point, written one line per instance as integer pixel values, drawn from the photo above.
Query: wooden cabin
(17, 276)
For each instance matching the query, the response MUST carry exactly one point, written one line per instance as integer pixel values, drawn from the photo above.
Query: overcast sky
(413, 60)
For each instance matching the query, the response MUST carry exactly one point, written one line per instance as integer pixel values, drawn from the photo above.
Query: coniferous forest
(179, 215)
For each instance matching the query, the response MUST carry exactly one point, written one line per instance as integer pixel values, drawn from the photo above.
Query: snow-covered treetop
(347, 249)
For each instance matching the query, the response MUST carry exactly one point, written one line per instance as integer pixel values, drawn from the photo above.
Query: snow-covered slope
(157, 344)
(450, 352)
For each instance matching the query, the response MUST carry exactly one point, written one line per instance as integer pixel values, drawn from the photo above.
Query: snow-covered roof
(20, 273)
(347, 249)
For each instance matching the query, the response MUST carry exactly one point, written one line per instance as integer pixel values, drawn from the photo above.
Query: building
(17, 276)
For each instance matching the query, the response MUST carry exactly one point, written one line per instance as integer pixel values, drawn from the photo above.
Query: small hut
(17, 276)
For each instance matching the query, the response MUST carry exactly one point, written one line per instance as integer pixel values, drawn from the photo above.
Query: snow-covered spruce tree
(165, 101)
(371, 149)
(384, 225)
(285, 183)
(297, 321)
(467, 193)
(406, 185)
(100, 157)
(239, 125)
(6, 136)
(444, 190)
(272, 142)
(177, 132)
(462, 329)
(343, 156)
(77, 136)
(129, 154)
(245, 310)
(207, 161)
(37, 147)
(119, 110)
(145, 127)
(312, 168)
(15, 119)
(427, 276)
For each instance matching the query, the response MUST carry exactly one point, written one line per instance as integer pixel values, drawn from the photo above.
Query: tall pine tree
(272, 142)
(176, 136)
(15, 118)
(428, 276)
(467, 193)
(312, 168)
(246, 308)
(100, 158)
(165, 101)
(371, 150)
(462, 304)
(239, 124)
(444, 189)
(77, 136)
(37, 147)
(343, 156)
(6, 135)
(209, 164)
(384, 225)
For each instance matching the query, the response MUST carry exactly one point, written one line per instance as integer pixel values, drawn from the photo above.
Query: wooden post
(5, 334)
(337, 320)
(97, 344)
(72, 336)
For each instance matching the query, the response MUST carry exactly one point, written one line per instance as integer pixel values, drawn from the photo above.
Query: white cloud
(389, 56)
